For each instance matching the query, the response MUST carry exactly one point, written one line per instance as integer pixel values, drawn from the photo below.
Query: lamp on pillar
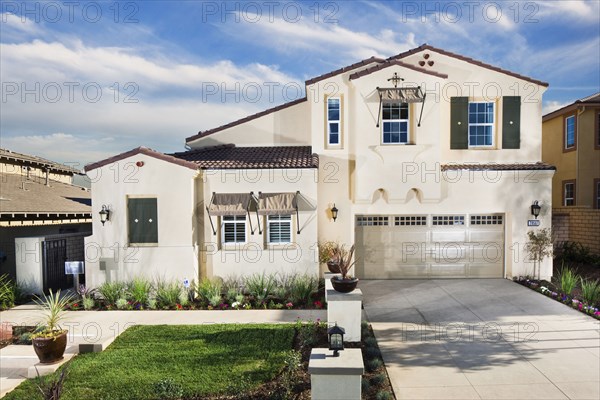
(336, 339)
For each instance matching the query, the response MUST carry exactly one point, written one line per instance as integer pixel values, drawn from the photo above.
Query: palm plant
(53, 306)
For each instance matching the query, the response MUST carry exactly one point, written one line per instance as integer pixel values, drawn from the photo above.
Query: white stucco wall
(175, 256)
(256, 256)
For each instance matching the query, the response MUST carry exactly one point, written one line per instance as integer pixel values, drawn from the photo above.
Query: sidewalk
(102, 327)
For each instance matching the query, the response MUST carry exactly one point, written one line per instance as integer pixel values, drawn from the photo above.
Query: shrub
(365, 385)
(567, 280)
(378, 379)
(590, 290)
(208, 289)
(88, 303)
(7, 292)
(184, 298)
(152, 304)
(575, 252)
(122, 304)
(374, 365)
(371, 341)
(140, 290)
(326, 251)
(260, 286)
(215, 300)
(384, 395)
(167, 294)
(303, 286)
(372, 352)
(111, 292)
(539, 246)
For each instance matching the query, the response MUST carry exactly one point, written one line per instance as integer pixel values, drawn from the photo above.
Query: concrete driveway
(482, 339)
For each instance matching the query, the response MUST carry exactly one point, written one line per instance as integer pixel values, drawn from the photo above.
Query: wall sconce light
(336, 339)
(535, 209)
(104, 214)
(334, 212)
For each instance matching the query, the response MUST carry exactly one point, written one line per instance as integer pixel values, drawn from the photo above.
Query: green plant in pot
(327, 255)
(50, 341)
(344, 283)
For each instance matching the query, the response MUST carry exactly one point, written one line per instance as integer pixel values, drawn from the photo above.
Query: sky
(82, 81)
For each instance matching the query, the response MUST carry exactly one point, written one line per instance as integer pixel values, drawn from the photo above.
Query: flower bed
(550, 290)
(254, 292)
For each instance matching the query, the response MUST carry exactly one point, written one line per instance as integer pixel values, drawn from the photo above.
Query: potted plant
(327, 256)
(50, 341)
(344, 283)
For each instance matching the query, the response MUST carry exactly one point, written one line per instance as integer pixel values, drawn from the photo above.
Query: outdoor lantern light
(104, 214)
(336, 339)
(334, 212)
(535, 209)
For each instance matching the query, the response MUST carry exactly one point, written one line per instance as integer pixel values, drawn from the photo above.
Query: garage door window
(410, 220)
(486, 219)
(439, 220)
(372, 221)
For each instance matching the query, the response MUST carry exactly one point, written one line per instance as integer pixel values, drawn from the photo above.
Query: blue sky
(82, 81)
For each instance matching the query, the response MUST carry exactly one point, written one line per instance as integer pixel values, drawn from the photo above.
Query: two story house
(428, 161)
(571, 142)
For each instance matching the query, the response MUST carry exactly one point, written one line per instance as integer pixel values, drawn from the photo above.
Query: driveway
(482, 339)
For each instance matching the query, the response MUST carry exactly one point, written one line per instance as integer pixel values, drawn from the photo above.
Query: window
(234, 229)
(372, 221)
(597, 195)
(481, 124)
(142, 217)
(412, 220)
(395, 123)
(570, 132)
(569, 193)
(279, 229)
(486, 219)
(333, 120)
(438, 220)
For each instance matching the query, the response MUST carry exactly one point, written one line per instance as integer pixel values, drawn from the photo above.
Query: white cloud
(550, 106)
(14, 26)
(587, 11)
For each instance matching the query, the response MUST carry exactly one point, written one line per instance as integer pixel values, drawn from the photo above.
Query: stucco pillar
(335, 378)
(328, 286)
(345, 309)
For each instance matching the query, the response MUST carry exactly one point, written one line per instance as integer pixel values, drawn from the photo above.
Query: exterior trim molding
(141, 150)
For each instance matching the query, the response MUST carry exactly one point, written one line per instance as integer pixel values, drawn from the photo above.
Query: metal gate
(55, 255)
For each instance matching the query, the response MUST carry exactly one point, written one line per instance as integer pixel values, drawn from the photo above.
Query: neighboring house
(571, 142)
(432, 160)
(43, 218)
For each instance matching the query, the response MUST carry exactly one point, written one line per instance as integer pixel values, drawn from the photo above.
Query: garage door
(430, 246)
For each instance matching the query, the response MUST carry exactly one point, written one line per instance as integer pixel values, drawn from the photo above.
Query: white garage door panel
(430, 246)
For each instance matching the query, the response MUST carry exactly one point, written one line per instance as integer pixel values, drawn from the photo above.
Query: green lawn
(202, 359)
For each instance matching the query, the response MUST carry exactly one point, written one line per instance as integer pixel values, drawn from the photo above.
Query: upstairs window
(233, 229)
(395, 123)
(570, 132)
(334, 108)
(279, 229)
(142, 215)
(481, 124)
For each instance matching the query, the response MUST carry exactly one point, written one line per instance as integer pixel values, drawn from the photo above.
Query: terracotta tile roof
(35, 161)
(391, 63)
(140, 150)
(202, 134)
(593, 100)
(345, 69)
(500, 167)
(21, 195)
(467, 59)
(231, 157)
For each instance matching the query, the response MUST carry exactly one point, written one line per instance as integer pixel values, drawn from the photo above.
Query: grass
(199, 360)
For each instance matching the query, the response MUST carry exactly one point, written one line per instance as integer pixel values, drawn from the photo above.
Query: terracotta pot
(333, 266)
(50, 350)
(344, 285)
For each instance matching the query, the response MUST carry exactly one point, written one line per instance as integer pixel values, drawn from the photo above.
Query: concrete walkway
(482, 339)
(99, 328)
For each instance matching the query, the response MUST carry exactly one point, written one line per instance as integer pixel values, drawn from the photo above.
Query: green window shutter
(459, 123)
(143, 220)
(511, 122)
